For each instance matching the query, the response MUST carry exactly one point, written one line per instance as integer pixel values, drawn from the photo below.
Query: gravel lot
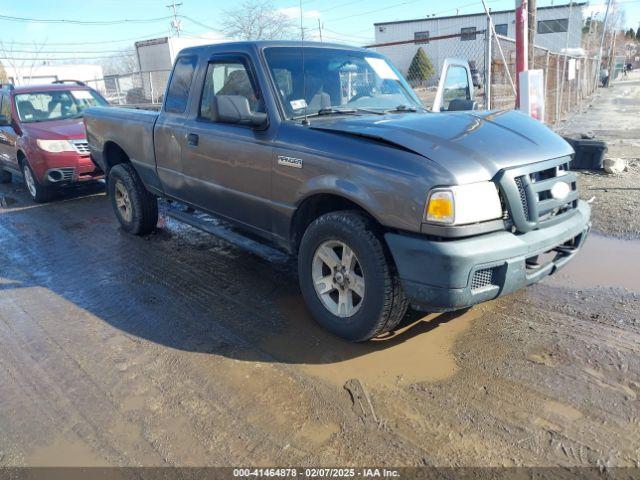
(614, 117)
(178, 349)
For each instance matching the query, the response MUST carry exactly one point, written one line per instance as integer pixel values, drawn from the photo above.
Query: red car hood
(69, 129)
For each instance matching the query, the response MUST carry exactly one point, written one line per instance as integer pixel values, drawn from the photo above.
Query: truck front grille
(523, 197)
(81, 146)
(529, 193)
(482, 278)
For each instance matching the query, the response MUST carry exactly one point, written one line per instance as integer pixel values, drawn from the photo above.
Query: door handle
(192, 140)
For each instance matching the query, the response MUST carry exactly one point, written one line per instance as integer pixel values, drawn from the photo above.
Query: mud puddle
(602, 262)
(65, 452)
(420, 350)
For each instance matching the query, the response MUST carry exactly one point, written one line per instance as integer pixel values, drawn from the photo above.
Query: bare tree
(257, 20)
(121, 63)
(23, 64)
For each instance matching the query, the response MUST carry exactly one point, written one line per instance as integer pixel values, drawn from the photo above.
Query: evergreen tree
(421, 68)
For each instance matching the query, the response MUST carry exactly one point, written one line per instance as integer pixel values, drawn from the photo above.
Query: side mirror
(235, 109)
(461, 104)
(4, 121)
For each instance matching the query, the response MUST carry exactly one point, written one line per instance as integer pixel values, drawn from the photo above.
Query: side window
(178, 93)
(229, 77)
(456, 86)
(553, 26)
(468, 33)
(421, 38)
(502, 29)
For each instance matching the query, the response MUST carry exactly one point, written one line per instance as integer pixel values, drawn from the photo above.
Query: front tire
(39, 193)
(135, 208)
(348, 279)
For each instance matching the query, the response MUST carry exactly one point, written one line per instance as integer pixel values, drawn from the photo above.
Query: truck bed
(131, 129)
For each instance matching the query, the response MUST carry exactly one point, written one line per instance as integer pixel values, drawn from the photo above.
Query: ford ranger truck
(331, 158)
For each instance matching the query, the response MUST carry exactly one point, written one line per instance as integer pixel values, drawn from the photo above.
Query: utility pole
(531, 10)
(612, 55)
(176, 24)
(522, 54)
(488, 60)
(604, 31)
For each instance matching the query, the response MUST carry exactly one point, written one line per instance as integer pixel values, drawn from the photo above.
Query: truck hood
(472, 146)
(68, 129)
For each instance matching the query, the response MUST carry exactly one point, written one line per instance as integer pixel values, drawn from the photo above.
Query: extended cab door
(455, 88)
(227, 166)
(169, 132)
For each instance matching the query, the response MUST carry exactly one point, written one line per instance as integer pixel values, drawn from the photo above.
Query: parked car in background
(42, 137)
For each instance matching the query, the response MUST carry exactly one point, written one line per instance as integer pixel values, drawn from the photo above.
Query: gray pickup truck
(325, 153)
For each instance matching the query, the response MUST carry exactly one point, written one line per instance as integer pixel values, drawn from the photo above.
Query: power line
(53, 52)
(82, 22)
(375, 11)
(137, 38)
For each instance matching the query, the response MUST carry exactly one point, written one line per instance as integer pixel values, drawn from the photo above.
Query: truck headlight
(463, 204)
(55, 146)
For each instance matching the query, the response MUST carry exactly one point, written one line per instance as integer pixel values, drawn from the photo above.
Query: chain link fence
(569, 80)
(421, 61)
(133, 89)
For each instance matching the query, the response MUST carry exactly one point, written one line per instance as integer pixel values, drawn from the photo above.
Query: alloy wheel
(123, 202)
(338, 278)
(29, 181)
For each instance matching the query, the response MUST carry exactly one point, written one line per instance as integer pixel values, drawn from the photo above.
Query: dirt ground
(179, 349)
(613, 116)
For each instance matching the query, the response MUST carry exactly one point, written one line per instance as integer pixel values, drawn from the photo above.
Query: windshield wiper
(338, 111)
(402, 108)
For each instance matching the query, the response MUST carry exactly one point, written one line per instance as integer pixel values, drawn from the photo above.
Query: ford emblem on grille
(560, 190)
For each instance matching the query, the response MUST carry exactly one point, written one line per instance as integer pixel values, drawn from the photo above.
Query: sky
(347, 21)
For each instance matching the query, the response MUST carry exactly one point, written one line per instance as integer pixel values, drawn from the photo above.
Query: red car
(42, 136)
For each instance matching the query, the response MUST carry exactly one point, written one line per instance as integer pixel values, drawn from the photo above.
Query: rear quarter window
(178, 93)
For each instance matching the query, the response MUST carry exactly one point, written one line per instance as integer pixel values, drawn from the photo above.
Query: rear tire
(377, 302)
(135, 208)
(39, 193)
(5, 177)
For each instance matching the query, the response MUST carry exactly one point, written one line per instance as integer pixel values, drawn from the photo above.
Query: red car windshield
(55, 104)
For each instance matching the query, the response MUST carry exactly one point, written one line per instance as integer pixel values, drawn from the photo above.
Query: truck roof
(261, 44)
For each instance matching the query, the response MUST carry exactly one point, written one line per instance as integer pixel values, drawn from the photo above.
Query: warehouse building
(555, 25)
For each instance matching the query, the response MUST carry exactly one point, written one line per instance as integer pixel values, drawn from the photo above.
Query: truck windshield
(55, 104)
(335, 81)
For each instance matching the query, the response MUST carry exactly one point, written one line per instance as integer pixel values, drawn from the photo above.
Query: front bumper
(449, 275)
(74, 167)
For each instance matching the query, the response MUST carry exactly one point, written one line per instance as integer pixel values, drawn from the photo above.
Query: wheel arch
(317, 204)
(21, 156)
(113, 154)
